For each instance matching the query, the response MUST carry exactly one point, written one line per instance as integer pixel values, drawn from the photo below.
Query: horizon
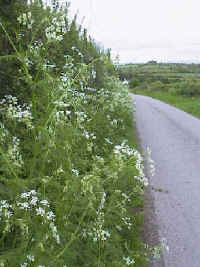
(159, 62)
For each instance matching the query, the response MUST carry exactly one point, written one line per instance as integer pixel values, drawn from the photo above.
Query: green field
(176, 84)
(161, 71)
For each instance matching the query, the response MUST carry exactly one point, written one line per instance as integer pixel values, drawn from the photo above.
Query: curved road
(174, 139)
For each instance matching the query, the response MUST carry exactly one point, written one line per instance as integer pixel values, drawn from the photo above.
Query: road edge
(150, 229)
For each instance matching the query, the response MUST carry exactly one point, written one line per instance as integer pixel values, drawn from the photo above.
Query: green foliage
(155, 86)
(133, 83)
(56, 34)
(178, 79)
(188, 88)
(69, 177)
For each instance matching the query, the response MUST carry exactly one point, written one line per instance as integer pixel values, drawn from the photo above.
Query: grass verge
(188, 104)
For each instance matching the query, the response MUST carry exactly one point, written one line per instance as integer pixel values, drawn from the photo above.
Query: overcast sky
(143, 30)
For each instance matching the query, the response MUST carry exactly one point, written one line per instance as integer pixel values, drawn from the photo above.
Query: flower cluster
(124, 151)
(150, 162)
(76, 50)
(13, 152)
(129, 261)
(127, 222)
(32, 205)
(97, 231)
(26, 20)
(56, 30)
(14, 111)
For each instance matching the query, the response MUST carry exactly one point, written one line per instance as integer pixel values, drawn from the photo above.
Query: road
(174, 139)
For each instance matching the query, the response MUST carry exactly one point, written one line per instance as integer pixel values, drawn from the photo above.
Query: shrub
(189, 88)
(133, 83)
(157, 86)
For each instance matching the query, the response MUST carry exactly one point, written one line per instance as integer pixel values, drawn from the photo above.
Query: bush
(133, 83)
(172, 90)
(157, 86)
(189, 88)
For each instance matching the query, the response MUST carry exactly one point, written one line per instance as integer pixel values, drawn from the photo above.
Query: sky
(142, 30)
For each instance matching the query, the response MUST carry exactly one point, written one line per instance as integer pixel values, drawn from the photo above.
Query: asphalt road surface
(174, 139)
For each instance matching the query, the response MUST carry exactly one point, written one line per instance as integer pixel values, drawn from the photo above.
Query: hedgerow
(69, 178)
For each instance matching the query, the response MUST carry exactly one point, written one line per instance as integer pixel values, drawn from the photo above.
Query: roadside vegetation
(176, 84)
(71, 177)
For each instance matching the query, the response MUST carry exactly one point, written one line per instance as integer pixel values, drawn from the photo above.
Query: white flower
(4, 204)
(55, 233)
(40, 211)
(150, 162)
(8, 214)
(76, 172)
(108, 141)
(44, 202)
(103, 199)
(50, 215)
(25, 195)
(128, 260)
(127, 222)
(34, 201)
(126, 197)
(31, 258)
(164, 244)
(28, 194)
(33, 192)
